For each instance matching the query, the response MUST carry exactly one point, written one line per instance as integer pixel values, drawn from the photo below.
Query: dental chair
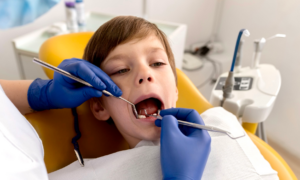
(56, 127)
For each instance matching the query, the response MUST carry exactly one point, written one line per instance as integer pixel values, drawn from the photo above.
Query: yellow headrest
(67, 46)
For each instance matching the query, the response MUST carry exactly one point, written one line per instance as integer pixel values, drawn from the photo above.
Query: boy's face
(142, 71)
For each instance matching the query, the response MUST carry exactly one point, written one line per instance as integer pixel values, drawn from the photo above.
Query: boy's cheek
(123, 84)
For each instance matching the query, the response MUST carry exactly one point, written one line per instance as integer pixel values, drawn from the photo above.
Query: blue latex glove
(63, 92)
(20, 12)
(184, 150)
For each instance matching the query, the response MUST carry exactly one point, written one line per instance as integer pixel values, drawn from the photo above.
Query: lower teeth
(141, 116)
(144, 116)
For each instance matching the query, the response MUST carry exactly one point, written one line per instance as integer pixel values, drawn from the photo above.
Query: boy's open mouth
(151, 105)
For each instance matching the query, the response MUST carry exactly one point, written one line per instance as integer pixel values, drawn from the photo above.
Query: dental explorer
(198, 126)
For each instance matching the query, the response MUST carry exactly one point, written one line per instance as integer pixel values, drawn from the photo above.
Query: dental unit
(138, 116)
(248, 92)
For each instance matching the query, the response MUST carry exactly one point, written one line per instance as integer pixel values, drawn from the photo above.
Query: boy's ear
(98, 110)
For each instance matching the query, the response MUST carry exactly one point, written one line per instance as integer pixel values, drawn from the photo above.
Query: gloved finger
(87, 93)
(189, 115)
(84, 72)
(158, 122)
(181, 127)
(184, 114)
(65, 81)
(110, 85)
(169, 128)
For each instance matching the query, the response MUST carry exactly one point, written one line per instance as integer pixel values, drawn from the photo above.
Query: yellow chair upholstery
(275, 160)
(56, 130)
(58, 48)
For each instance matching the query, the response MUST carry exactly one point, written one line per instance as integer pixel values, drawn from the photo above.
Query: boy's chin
(154, 136)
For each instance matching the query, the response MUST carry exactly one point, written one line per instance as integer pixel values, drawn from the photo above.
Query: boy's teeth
(141, 116)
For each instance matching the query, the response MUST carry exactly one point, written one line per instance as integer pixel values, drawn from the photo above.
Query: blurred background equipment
(79, 5)
(71, 16)
(253, 90)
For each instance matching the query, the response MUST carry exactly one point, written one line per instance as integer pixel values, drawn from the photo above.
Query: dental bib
(231, 159)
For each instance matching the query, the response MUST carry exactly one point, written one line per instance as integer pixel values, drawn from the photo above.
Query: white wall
(197, 14)
(264, 18)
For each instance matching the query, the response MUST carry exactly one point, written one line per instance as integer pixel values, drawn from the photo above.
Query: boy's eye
(122, 71)
(157, 64)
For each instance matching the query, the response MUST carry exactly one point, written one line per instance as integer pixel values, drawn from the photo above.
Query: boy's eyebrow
(118, 56)
(122, 56)
(156, 49)
(114, 57)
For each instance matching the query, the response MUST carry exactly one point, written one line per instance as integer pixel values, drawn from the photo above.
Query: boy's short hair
(120, 30)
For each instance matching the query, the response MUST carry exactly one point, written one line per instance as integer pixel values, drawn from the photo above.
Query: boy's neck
(147, 143)
(132, 141)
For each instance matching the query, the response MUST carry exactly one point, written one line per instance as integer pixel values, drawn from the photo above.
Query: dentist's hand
(63, 92)
(184, 150)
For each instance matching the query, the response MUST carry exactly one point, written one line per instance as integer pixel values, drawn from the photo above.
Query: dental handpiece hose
(238, 61)
(228, 87)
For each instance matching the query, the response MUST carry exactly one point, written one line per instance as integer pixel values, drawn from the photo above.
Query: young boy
(138, 58)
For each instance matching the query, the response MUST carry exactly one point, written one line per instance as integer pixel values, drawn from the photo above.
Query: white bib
(229, 158)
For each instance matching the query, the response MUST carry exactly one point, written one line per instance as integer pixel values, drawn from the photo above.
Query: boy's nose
(148, 79)
(144, 74)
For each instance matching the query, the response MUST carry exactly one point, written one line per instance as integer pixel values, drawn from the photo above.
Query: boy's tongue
(151, 106)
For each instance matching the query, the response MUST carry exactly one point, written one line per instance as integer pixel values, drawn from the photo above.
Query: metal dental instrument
(199, 126)
(65, 73)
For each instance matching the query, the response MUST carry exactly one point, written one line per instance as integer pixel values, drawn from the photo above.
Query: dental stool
(56, 127)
